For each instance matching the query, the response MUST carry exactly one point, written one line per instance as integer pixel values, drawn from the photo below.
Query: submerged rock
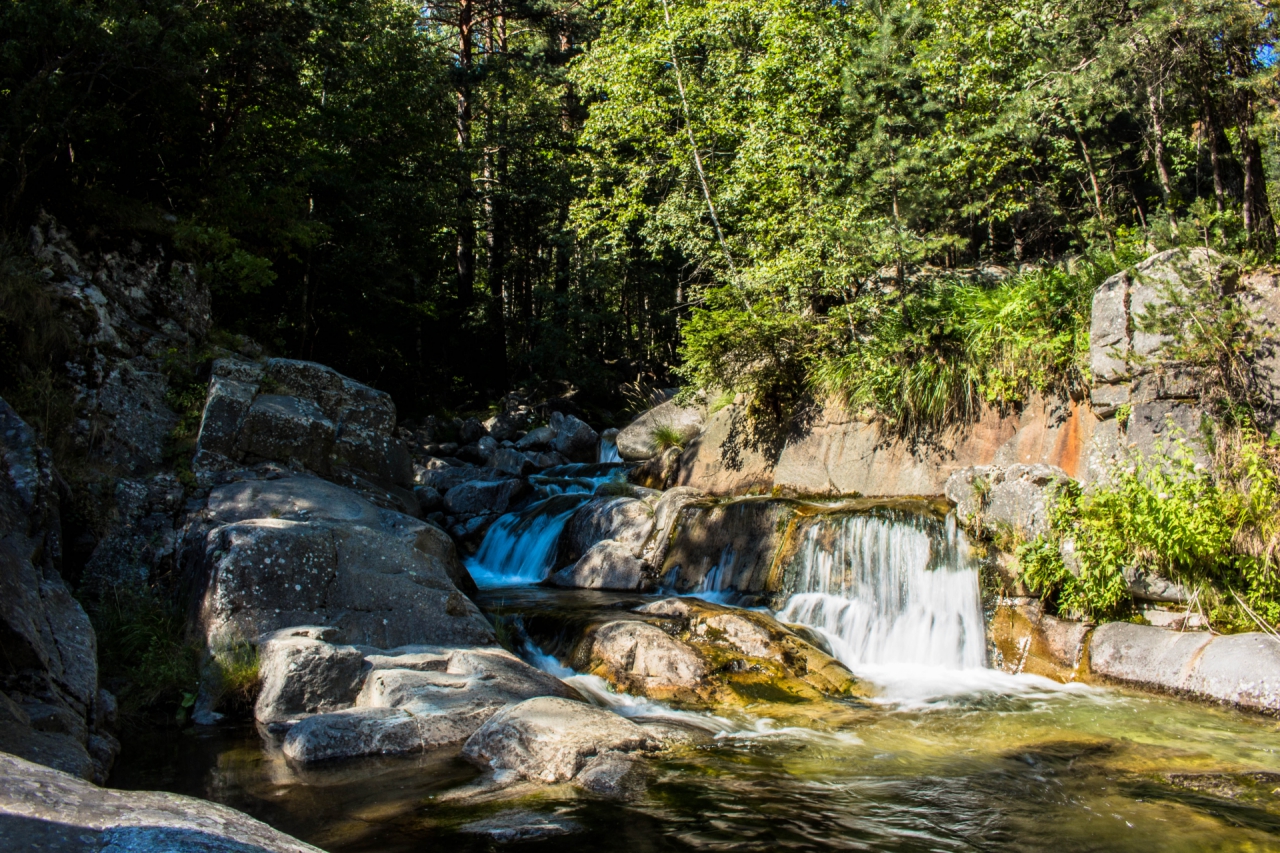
(520, 825)
(43, 809)
(553, 740)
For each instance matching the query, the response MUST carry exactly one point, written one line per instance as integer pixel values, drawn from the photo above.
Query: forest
(454, 199)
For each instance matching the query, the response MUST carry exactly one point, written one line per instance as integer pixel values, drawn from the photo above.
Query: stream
(948, 755)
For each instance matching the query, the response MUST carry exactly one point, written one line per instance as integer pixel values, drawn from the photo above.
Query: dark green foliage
(144, 655)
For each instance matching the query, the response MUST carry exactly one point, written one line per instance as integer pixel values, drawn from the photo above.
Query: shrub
(144, 654)
(1216, 530)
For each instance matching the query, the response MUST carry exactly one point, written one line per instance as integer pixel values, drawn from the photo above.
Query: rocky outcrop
(608, 564)
(309, 416)
(709, 656)
(638, 440)
(43, 809)
(555, 740)
(337, 701)
(51, 710)
(129, 307)
(266, 554)
(1011, 501)
(1236, 669)
(726, 547)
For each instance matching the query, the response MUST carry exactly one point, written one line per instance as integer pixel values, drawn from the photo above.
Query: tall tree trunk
(495, 168)
(466, 227)
(1212, 132)
(1258, 221)
(1155, 103)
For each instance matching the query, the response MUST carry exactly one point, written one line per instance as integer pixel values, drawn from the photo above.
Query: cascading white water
(609, 453)
(890, 589)
(520, 547)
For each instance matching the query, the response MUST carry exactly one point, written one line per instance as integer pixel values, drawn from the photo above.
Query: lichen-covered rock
(644, 659)
(1011, 500)
(43, 809)
(305, 498)
(637, 441)
(552, 740)
(265, 574)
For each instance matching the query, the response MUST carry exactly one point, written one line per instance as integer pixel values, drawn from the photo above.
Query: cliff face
(51, 710)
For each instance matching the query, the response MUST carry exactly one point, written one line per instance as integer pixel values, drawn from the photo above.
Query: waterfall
(520, 547)
(609, 453)
(890, 588)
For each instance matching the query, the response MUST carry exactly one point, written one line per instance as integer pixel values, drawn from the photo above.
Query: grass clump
(665, 436)
(145, 655)
(233, 675)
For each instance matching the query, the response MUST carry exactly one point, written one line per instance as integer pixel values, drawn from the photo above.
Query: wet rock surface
(704, 655)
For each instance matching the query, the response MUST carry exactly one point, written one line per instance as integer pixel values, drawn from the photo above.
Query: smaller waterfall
(609, 453)
(520, 547)
(890, 589)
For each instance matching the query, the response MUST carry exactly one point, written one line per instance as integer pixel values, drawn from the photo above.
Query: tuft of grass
(233, 674)
(665, 436)
(144, 654)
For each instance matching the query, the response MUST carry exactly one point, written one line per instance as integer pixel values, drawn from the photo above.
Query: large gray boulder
(46, 810)
(304, 498)
(624, 520)
(266, 574)
(1238, 669)
(636, 442)
(1013, 499)
(574, 439)
(419, 698)
(302, 675)
(302, 413)
(608, 564)
(50, 708)
(553, 740)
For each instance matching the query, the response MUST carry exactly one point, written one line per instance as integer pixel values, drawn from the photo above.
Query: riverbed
(941, 759)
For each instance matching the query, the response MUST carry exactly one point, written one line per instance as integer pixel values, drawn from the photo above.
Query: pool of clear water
(943, 760)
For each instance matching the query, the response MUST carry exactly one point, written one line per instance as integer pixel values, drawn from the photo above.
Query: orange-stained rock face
(842, 455)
